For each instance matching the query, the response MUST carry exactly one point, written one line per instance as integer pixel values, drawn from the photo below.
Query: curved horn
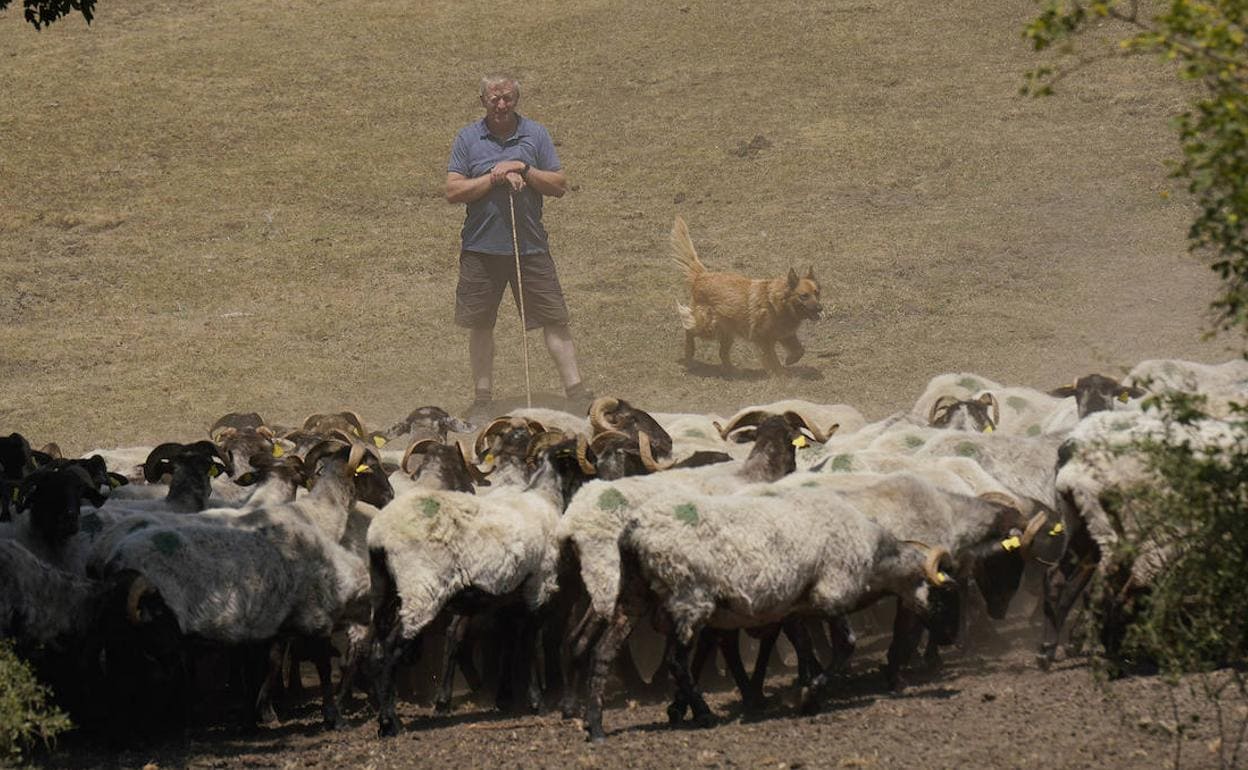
(582, 458)
(1033, 528)
(596, 443)
(1001, 498)
(153, 465)
(266, 431)
(138, 588)
(931, 565)
(942, 403)
(416, 447)
(355, 421)
(484, 436)
(989, 400)
(478, 475)
(598, 413)
(809, 425)
(742, 420)
(647, 458)
(322, 448)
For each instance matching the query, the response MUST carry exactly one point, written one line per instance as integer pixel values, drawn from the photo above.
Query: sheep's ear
(1066, 391)
(792, 279)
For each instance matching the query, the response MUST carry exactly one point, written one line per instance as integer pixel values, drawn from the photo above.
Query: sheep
(736, 560)
(976, 414)
(15, 463)
(1221, 384)
(273, 571)
(977, 531)
(1023, 465)
(429, 549)
(1092, 463)
(49, 509)
(53, 618)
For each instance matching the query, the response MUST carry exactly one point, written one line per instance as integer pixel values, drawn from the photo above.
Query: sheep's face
(431, 422)
(998, 572)
(442, 466)
(14, 456)
(1097, 393)
(940, 609)
(371, 484)
(54, 498)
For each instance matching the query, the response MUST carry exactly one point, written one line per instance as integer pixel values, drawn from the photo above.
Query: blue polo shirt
(487, 225)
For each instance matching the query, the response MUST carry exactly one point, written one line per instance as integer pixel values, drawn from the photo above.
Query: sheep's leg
(262, 707)
(907, 631)
(387, 651)
(1060, 595)
(357, 650)
(450, 652)
(686, 692)
(703, 649)
(604, 653)
(843, 642)
(321, 651)
(575, 656)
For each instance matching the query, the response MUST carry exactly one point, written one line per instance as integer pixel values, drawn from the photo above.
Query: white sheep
(732, 561)
(428, 546)
(1222, 384)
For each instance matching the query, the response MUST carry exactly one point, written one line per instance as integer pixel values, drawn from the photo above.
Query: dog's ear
(792, 279)
(810, 272)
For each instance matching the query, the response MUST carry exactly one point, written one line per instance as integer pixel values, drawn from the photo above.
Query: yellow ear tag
(308, 483)
(15, 493)
(1057, 529)
(1011, 543)
(987, 429)
(1123, 396)
(489, 457)
(113, 483)
(362, 469)
(379, 441)
(941, 578)
(799, 442)
(213, 472)
(278, 451)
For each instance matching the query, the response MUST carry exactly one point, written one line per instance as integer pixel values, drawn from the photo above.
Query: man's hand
(516, 181)
(503, 169)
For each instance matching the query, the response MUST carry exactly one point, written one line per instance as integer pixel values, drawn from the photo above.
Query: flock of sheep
(134, 580)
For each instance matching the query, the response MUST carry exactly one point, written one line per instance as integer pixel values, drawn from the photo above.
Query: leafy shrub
(26, 716)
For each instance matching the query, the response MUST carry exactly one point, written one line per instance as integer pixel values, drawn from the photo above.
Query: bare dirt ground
(208, 207)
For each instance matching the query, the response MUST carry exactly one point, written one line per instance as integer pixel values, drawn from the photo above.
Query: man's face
(500, 100)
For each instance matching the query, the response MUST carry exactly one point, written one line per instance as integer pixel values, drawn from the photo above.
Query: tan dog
(728, 305)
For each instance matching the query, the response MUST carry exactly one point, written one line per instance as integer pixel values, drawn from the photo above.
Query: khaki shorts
(482, 278)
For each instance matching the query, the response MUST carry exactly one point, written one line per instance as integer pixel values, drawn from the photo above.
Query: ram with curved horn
(981, 414)
(752, 418)
(607, 414)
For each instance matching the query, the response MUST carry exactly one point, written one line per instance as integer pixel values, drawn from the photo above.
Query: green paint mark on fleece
(1034, 430)
(967, 449)
(167, 543)
(694, 433)
(611, 500)
(92, 524)
(430, 507)
(688, 513)
(970, 383)
(1017, 403)
(842, 463)
(913, 441)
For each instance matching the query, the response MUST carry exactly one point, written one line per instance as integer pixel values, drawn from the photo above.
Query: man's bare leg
(481, 358)
(563, 353)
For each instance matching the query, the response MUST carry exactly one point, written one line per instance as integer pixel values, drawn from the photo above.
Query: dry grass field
(208, 207)
(217, 206)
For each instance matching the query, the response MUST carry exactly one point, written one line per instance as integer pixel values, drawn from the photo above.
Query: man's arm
(552, 183)
(461, 189)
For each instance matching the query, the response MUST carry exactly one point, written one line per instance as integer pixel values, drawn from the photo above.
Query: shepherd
(502, 166)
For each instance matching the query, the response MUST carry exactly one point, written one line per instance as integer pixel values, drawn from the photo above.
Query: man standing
(500, 156)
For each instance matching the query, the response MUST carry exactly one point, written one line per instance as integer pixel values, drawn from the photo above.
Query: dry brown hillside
(221, 206)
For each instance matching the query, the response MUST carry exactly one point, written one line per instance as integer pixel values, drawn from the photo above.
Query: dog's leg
(767, 351)
(725, 352)
(794, 348)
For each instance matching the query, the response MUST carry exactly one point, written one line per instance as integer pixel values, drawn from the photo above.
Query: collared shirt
(487, 225)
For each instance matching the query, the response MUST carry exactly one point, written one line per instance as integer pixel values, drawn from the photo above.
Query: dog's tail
(682, 250)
